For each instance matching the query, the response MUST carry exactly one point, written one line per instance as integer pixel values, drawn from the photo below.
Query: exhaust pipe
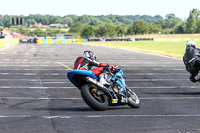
(99, 85)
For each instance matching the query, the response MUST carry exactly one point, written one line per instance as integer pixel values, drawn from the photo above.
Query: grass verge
(167, 48)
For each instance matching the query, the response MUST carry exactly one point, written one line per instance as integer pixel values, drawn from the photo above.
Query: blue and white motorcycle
(98, 96)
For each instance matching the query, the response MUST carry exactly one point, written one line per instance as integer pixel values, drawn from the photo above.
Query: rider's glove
(115, 67)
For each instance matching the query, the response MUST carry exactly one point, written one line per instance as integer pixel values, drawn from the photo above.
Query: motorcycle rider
(191, 60)
(88, 60)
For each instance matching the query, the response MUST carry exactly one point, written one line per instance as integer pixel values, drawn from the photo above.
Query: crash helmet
(191, 43)
(89, 54)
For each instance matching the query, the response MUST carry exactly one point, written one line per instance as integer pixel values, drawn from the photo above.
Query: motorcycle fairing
(76, 77)
(121, 80)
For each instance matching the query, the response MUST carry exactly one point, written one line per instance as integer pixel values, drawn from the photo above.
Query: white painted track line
(67, 87)
(57, 74)
(63, 79)
(142, 98)
(91, 116)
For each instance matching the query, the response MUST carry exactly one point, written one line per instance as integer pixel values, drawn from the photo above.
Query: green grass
(167, 48)
(165, 36)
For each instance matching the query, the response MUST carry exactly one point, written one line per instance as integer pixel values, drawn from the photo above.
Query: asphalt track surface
(37, 97)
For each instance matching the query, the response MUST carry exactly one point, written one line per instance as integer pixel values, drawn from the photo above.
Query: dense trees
(76, 27)
(88, 31)
(193, 21)
(111, 25)
(85, 19)
(39, 32)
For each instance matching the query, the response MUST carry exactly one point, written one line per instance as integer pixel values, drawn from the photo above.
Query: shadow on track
(82, 109)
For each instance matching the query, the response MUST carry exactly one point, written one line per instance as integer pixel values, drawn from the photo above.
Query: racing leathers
(191, 60)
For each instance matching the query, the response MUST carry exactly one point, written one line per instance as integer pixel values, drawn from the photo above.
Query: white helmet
(191, 43)
(89, 54)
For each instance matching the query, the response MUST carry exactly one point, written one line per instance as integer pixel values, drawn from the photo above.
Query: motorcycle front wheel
(93, 98)
(133, 100)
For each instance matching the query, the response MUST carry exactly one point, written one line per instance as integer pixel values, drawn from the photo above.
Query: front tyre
(133, 100)
(93, 98)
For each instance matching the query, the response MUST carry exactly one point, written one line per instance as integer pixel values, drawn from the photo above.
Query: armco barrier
(59, 41)
(73, 40)
(85, 40)
(54, 41)
(143, 39)
(79, 41)
(49, 41)
(63, 41)
(45, 41)
(68, 41)
(40, 41)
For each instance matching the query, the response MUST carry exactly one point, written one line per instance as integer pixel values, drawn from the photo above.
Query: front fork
(128, 90)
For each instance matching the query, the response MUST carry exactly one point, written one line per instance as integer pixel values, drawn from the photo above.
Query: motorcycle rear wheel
(91, 97)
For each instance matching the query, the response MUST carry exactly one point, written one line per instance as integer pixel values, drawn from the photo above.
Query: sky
(181, 8)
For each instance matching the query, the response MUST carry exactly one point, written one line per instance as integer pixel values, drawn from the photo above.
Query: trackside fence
(61, 41)
(71, 41)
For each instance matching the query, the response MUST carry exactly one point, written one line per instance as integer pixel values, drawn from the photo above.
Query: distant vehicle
(64, 36)
(24, 40)
(28, 40)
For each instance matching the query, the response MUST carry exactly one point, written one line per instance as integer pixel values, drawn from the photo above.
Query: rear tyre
(93, 98)
(133, 100)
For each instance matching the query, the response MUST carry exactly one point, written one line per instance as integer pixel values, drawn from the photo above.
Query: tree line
(112, 25)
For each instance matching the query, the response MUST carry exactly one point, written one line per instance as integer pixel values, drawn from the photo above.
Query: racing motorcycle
(99, 96)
